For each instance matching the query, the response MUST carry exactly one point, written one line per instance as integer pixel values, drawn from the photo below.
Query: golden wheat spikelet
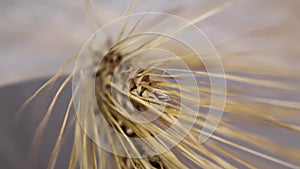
(148, 90)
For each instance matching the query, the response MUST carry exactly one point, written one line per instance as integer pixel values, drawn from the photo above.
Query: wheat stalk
(230, 146)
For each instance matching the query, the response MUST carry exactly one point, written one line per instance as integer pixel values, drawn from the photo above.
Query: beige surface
(37, 36)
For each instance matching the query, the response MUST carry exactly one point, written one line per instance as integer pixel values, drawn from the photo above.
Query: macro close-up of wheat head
(140, 84)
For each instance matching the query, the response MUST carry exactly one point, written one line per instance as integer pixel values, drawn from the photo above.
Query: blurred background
(38, 36)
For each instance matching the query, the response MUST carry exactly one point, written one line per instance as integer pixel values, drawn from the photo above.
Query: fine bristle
(132, 82)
